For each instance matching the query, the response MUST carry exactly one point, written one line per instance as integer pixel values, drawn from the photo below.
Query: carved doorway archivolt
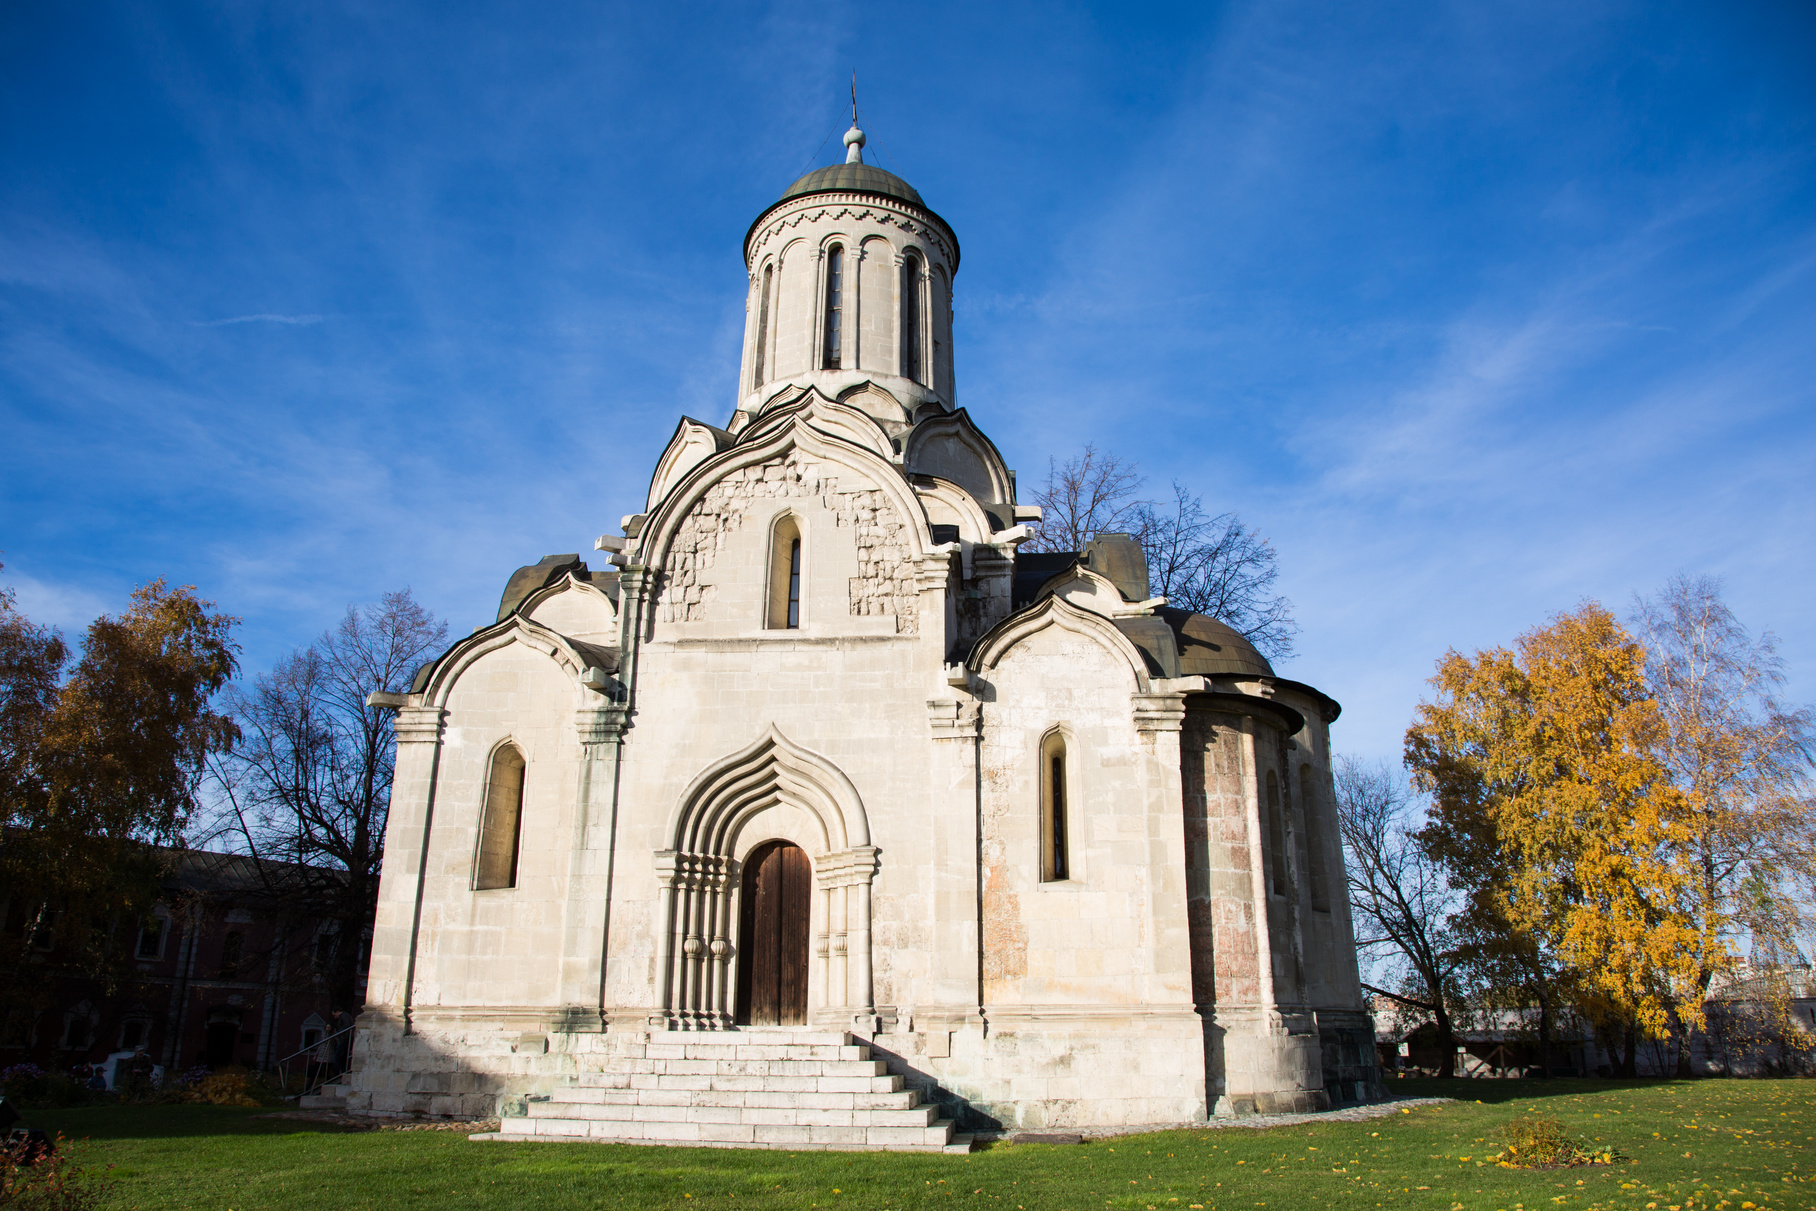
(772, 791)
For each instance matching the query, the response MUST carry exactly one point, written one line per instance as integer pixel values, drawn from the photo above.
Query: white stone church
(822, 816)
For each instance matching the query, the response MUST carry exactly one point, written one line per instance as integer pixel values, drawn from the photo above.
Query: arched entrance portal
(772, 936)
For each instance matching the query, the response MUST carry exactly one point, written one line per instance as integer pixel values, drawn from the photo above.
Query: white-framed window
(151, 938)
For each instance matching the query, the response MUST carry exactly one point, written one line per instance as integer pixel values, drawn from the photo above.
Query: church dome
(854, 178)
(1209, 648)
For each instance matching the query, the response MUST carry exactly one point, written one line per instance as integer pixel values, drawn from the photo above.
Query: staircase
(762, 1088)
(331, 1096)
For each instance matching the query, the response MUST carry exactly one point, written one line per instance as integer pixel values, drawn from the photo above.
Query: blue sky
(1475, 310)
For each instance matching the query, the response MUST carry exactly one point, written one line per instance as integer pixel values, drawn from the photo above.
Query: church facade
(818, 758)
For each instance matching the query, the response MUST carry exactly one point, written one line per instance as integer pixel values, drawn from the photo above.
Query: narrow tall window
(231, 948)
(1276, 838)
(1053, 856)
(784, 612)
(911, 317)
(1314, 842)
(762, 327)
(501, 829)
(835, 305)
(151, 939)
(794, 584)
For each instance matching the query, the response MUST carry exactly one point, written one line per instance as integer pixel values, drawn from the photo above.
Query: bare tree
(1744, 759)
(308, 790)
(1091, 494)
(1209, 564)
(1213, 564)
(1401, 901)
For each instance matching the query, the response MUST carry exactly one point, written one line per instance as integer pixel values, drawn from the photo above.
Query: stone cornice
(857, 206)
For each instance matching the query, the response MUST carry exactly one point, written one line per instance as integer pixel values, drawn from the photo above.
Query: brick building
(228, 973)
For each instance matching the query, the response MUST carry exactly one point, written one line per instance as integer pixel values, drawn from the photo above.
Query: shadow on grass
(167, 1122)
(1496, 1092)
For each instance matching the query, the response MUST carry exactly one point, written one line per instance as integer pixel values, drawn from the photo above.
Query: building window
(43, 928)
(151, 939)
(231, 946)
(501, 829)
(324, 951)
(133, 1033)
(79, 1027)
(911, 317)
(1054, 864)
(785, 574)
(835, 304)
(1314, 842)
(762, 327)
(1276, 838)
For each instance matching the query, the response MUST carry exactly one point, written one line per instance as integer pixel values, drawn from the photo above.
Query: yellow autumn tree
(1558, 820)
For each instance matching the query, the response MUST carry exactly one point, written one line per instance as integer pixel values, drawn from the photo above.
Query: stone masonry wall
(885, 581)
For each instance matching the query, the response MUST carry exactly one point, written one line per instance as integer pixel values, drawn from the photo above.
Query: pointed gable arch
(996, 643)
(949, 502)
(692, 444)
(951, 447)
(772, 770)
(835, 418)
(866, 463)
(591, 665)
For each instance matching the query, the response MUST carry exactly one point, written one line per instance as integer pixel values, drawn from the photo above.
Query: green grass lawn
(1683, 1146)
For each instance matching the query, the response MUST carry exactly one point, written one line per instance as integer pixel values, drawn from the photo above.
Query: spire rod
(854, 138)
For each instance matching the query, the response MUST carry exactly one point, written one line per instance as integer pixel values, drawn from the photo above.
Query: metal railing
(324, 1075)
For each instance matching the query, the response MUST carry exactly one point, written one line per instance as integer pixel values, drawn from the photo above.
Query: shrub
(49, 1183)
(221, 1089)
(1538, 1141)
(30, 1085)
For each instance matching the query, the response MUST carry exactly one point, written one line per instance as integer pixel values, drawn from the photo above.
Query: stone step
(732, 1089)
(751, 1095)
(728, 1066)
(319, 1101)
(935, 1137)
(694, 1112)
(753, 1035)
(740, 1050)
(777, 1082)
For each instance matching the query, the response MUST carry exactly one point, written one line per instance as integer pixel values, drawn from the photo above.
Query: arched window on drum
(835, 308)
(757, 357)
(501, 824)
(911, 318)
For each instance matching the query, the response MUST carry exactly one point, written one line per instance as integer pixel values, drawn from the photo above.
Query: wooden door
(772, 942)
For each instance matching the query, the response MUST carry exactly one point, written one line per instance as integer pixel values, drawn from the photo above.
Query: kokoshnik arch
(821, 766)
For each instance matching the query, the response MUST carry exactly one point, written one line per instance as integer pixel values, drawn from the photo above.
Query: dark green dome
(854, 178)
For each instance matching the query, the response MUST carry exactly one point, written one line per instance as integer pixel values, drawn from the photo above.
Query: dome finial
(854, 138)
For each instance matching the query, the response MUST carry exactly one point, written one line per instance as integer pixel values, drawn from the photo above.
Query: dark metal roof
(1210, 648)
(856, 178)
(853, 178)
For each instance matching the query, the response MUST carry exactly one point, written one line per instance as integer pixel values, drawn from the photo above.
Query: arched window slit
(1054, 857)
(835, 305)
(501, 827)
(784, 613)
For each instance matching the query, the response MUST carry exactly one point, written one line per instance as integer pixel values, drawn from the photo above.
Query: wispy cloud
(261, 318)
